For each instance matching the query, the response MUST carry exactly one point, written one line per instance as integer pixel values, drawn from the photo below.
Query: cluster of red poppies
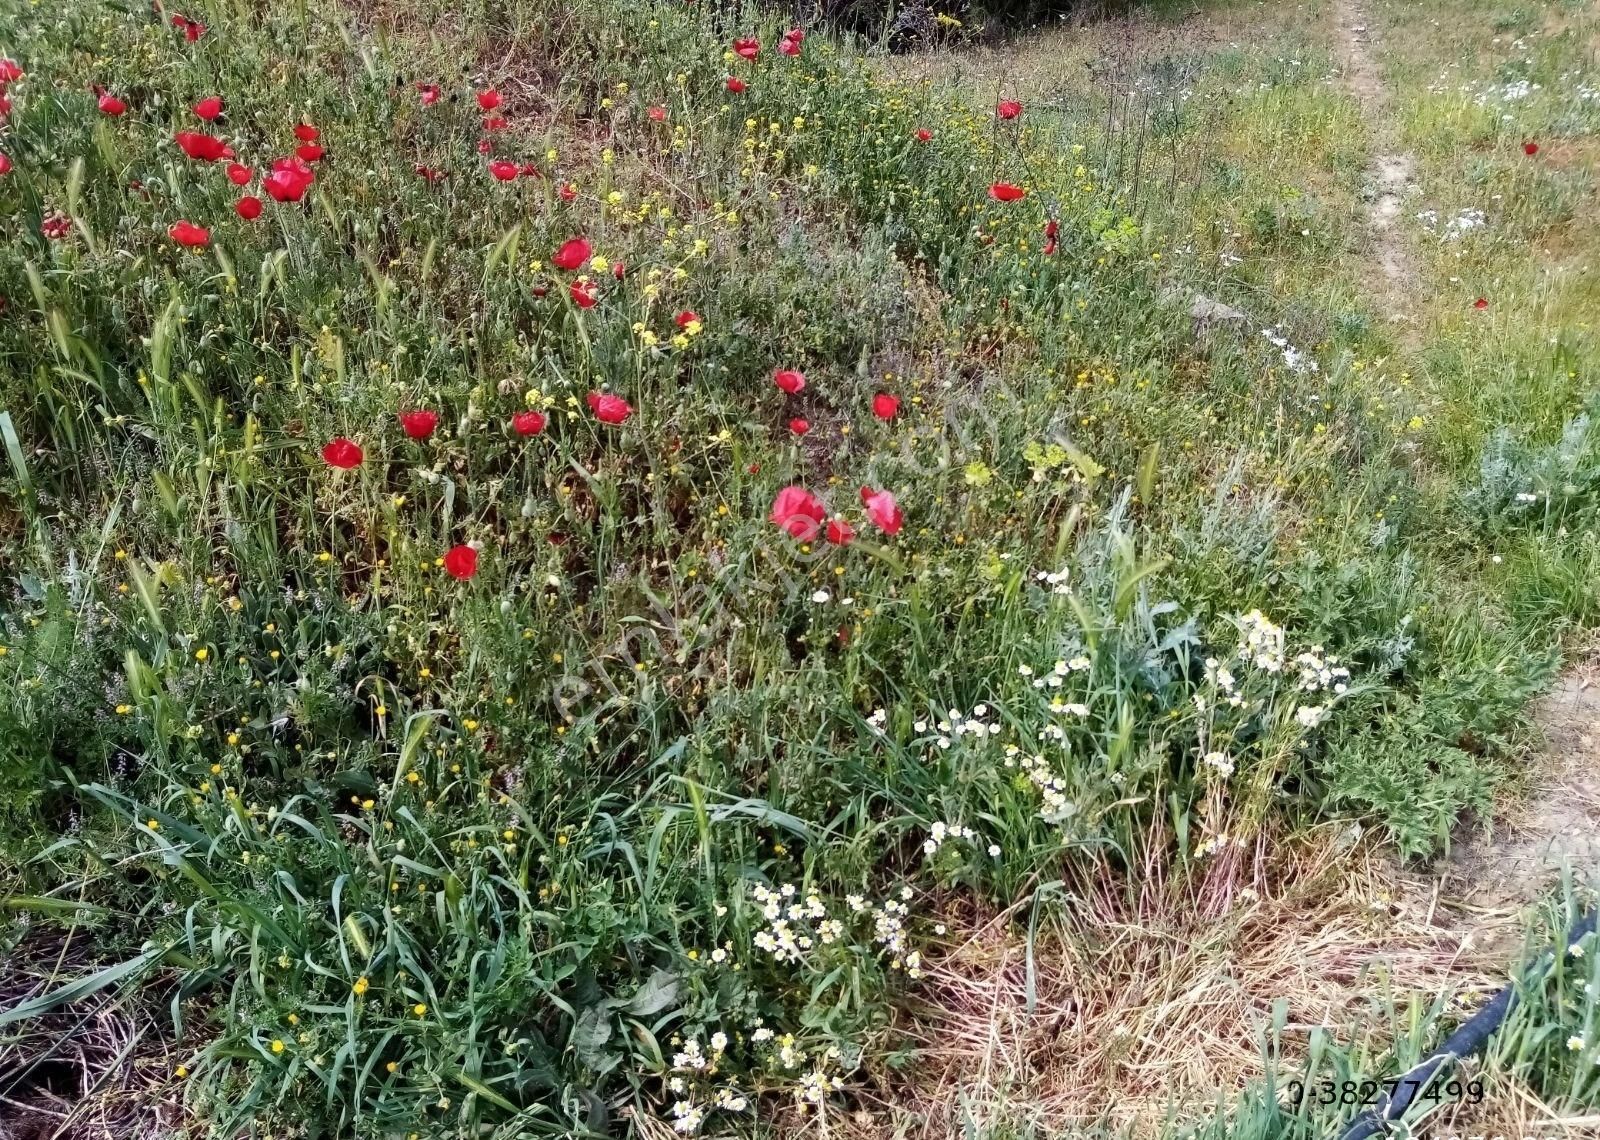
(802, 515)
(575, 254)
(748, 48)
(10, 72)
(192, 29)
(287, 180)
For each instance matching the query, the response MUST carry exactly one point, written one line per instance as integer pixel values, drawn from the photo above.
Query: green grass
(375, 850)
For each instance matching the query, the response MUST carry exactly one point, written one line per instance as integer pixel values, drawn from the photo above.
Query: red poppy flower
(56, 226)
(798, 512)
(5, 164)
(657, 114)
(1051, 228)
(609, 409)
(429, 93)
(503, 171)
(248, 207)
(584, 294)
(619, 269)
(885, 406)
(1530, 148)
(568, 192)
(428, 173)
(5, 104)
(342, 453)
(747, 48)
(923, 134)
(111, 105)
(1005, 192)
(202, 147)
(840, 533)
(528, 423)
(461, 562)
(1480, 303)
(787, 46)
(489, 99)
(686, 318)
(309, 152)
(573, 254)
(305, 132)
(289, 180)
(192, 29)
(799, 426)
(239, 174)
(789, 380)
(189, 235)
(419, 425)
(735, 85)
(1008, 109)
(882, 510)
(10, 71)
(209, 108)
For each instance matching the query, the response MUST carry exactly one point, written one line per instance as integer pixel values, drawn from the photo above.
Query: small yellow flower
(361, 986)
(392, 1066)
(277, 1046)
(419, 1009)
(202, 653)
(153, 825)
(181, 1071)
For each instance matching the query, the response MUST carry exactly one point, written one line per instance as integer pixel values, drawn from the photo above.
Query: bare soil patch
(1389, 174)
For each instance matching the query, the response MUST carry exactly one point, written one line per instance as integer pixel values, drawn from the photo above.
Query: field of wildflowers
(551, 555)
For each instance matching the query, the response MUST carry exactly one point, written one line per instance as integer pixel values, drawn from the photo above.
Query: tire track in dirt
(1389, 173)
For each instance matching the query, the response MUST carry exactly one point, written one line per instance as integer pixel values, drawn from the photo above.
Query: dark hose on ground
(1466, 1040)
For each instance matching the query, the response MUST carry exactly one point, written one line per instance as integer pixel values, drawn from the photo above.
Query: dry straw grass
(1139, 1004)
(98, 1070)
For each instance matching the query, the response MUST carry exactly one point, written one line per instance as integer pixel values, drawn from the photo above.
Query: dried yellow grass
(1141, 1005)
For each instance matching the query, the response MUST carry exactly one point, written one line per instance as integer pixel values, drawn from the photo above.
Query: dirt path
(1390, 171)
(1555, 824)
(1498, 875)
